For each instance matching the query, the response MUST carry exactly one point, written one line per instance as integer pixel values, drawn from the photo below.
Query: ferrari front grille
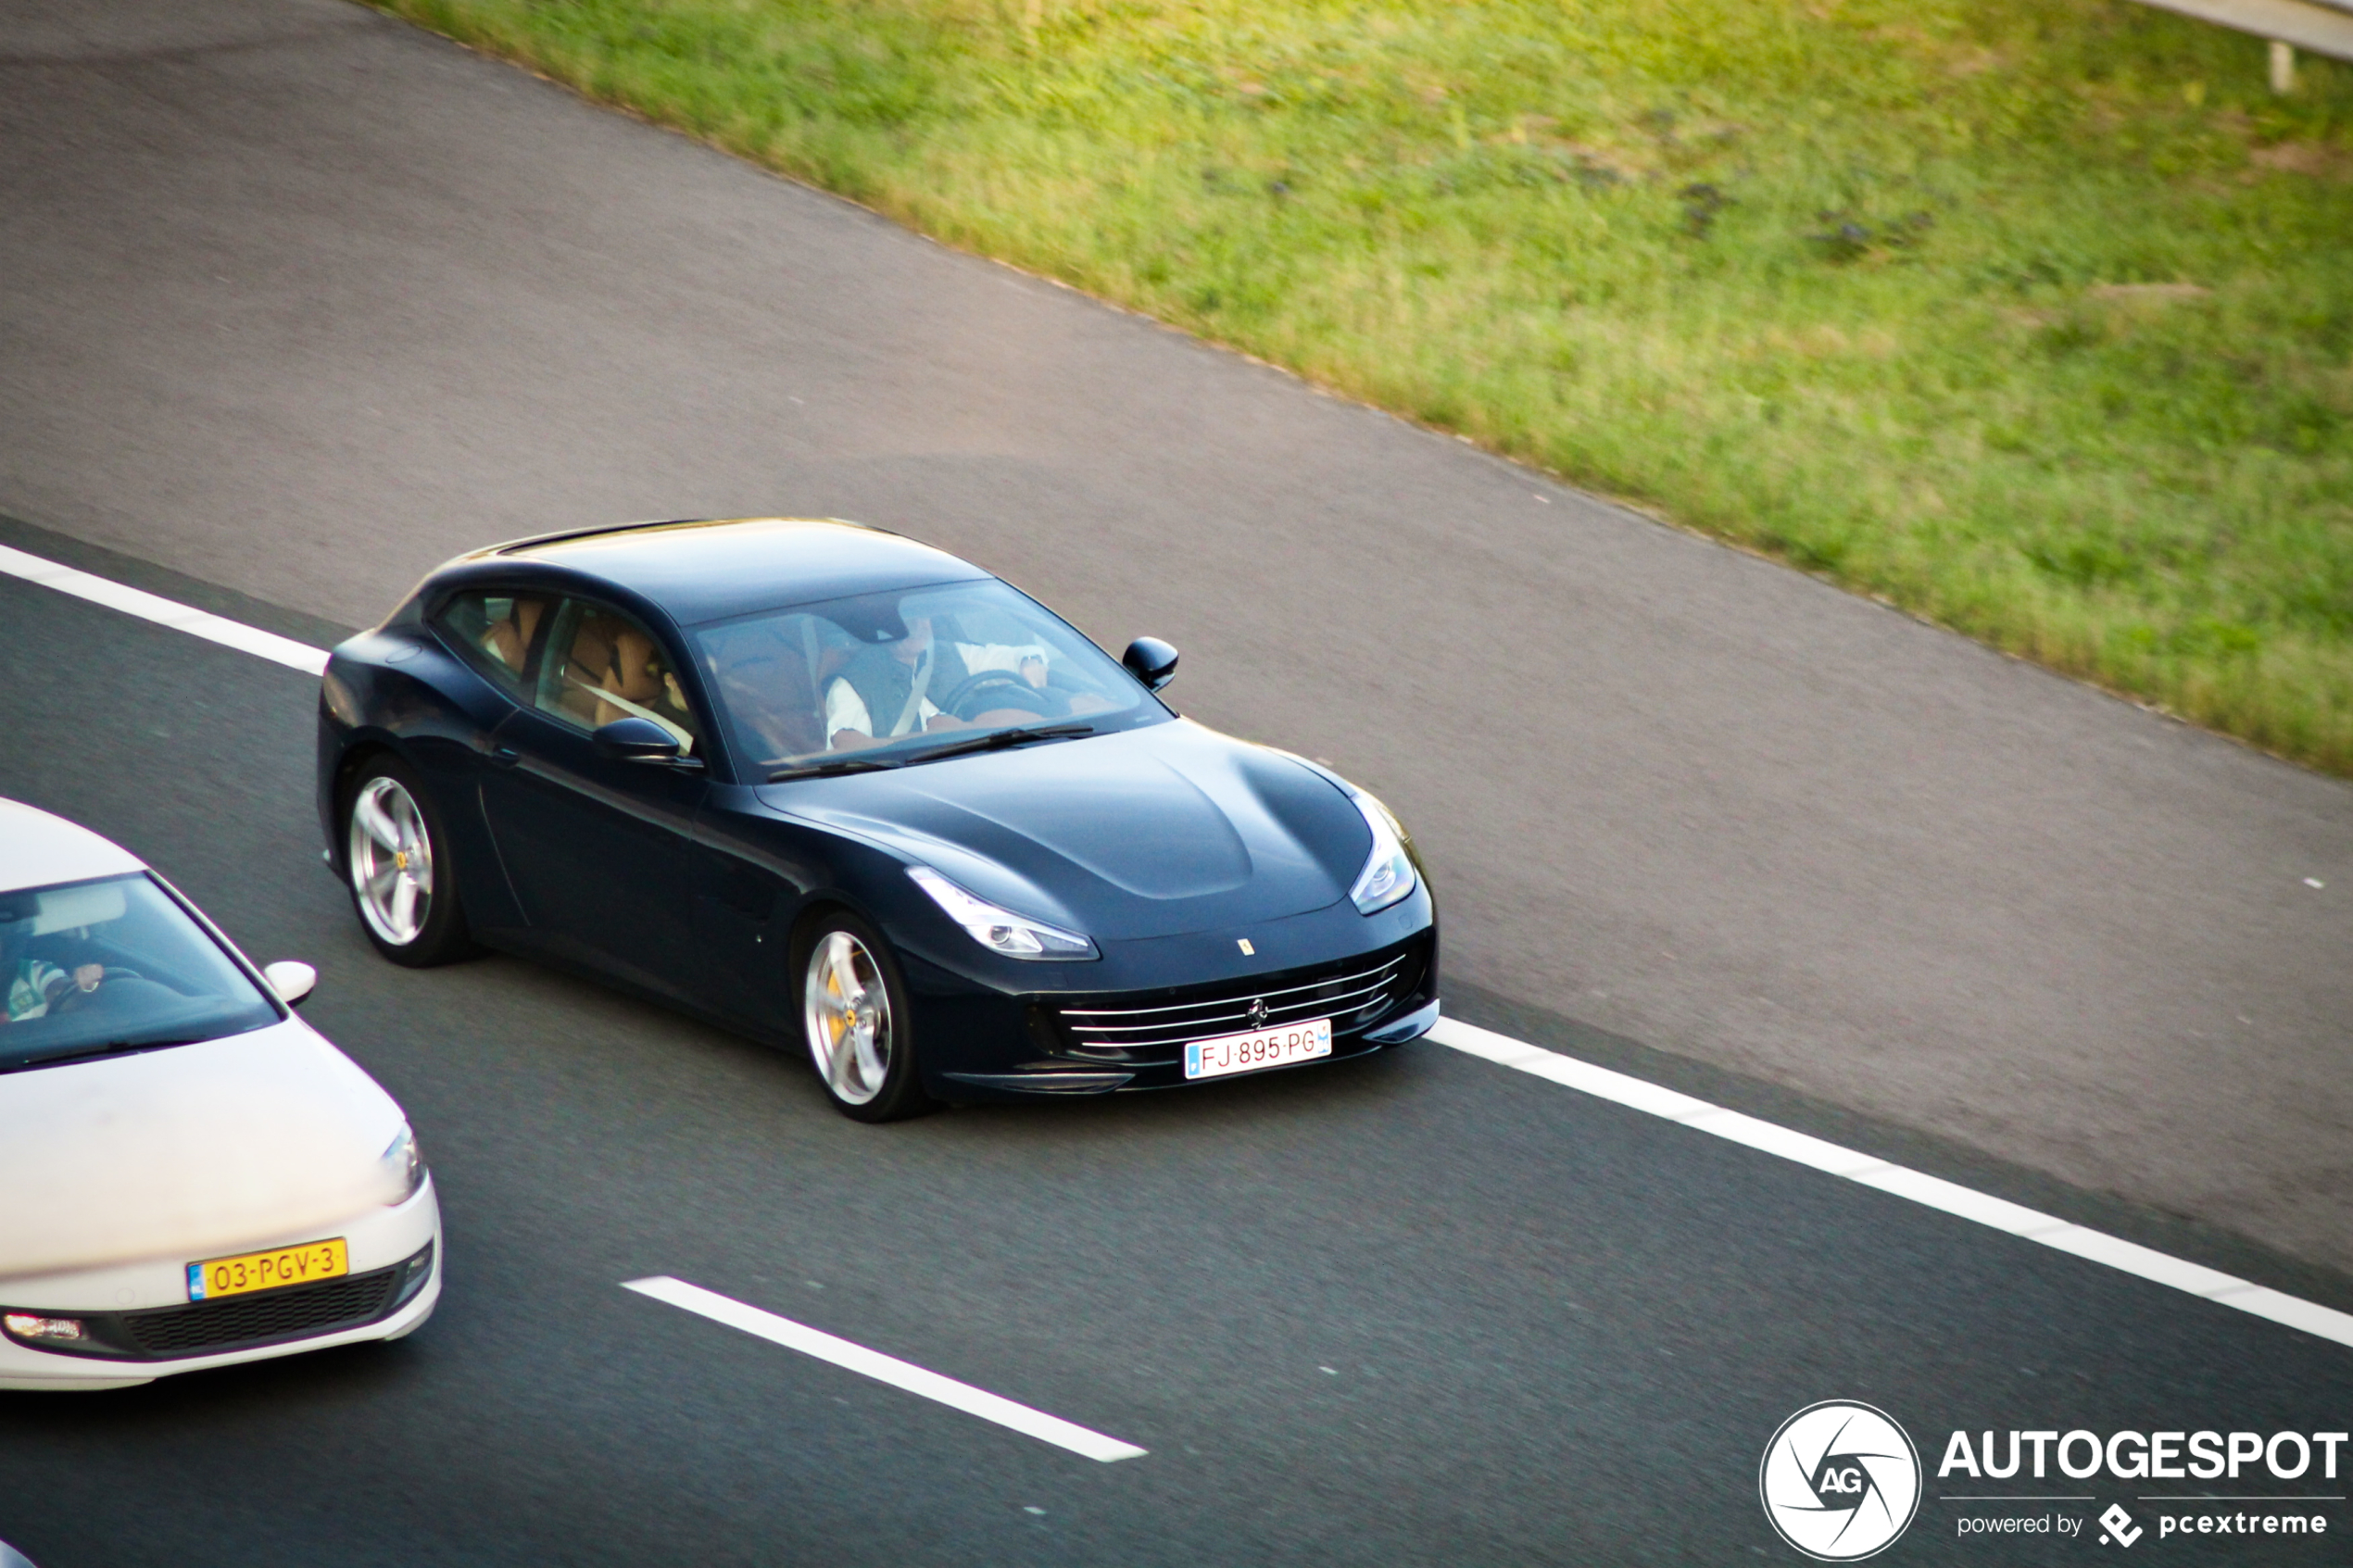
(1352, 995)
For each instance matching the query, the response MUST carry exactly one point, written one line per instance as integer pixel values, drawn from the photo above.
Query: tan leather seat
(611, 659)
(509, 641)
(588, 663)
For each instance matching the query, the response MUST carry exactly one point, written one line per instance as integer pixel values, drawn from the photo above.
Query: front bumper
(141, 1325)
(988, 1047)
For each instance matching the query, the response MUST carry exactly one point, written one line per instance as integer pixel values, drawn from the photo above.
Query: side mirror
(636, 740)
(291, 981)
(1150, 661)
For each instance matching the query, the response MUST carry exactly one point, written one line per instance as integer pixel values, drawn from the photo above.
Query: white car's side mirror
(291, 980)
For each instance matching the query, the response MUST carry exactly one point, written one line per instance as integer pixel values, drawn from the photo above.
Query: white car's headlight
(1388, 871)
(404, 1167)
(1001, 931)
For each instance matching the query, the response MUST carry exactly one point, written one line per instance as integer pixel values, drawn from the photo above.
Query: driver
(35, 985)
(888, 690)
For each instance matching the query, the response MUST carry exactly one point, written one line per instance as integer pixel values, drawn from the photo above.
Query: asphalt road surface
(300, 301)
(1414, 1309)
(296, 301)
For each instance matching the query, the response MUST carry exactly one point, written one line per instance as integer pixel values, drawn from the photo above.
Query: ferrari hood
(1156, 831)
(188, 1151)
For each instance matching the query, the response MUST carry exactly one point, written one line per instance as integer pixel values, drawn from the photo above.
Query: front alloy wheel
(400, 880)
(857, 1023)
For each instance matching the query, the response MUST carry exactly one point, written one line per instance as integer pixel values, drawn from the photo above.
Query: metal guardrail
(2321, 27)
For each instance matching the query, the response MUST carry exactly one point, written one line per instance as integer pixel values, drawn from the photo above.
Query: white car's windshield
(896, 677)
(92, 967)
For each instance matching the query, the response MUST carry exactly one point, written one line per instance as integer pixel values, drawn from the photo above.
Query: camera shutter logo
(1840, 1481)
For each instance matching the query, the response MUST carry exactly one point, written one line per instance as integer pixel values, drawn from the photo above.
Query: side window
(494, 630)
(601, 665)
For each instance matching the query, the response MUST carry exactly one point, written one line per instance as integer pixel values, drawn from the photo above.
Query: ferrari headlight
(404, 1167)
(1001, 931)
(1388, 871)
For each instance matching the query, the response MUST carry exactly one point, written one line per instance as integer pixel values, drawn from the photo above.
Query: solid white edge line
(1934, 1192)
(2028, 1224)
(164, 612)
(885, 1369)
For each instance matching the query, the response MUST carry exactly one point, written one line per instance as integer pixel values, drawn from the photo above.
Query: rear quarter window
(494, 630)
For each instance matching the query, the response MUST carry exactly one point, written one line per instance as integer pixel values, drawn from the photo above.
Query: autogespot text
(2150, 1456)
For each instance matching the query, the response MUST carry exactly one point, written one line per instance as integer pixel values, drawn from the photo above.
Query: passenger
(764, 685)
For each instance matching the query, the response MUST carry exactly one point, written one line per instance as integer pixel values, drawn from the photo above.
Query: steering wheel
(1003, 689)
(74, 997)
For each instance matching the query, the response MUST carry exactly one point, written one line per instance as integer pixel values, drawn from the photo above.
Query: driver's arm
(34, 984)
(1025, 659)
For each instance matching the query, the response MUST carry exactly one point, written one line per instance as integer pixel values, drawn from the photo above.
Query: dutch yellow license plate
(266, 1271)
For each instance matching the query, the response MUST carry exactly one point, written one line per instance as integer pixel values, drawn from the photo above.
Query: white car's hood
(187, 1152)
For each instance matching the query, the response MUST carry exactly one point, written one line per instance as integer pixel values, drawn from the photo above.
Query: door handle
(504, 756)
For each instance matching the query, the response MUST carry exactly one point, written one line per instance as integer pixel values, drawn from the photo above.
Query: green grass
(2034, 317)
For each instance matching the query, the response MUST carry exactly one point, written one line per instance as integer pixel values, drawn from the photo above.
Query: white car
(194, 1176)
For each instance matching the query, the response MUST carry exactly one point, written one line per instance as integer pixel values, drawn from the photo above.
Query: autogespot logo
(1840, 1481)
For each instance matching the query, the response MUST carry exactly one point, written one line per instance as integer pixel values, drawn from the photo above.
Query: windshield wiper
(997, 740)
(826, 770)
(113, 1048)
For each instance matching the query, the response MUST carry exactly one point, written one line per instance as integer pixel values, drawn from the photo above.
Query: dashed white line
(164, 612)
(2027, 1225)
(886, 1369)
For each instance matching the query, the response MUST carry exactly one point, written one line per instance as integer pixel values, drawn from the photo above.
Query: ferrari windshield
(92, 967)
(880, 679)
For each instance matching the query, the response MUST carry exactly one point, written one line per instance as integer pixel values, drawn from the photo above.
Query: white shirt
(845, 709)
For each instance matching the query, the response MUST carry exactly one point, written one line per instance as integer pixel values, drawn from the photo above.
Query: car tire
(856, 1021)
(399, 866)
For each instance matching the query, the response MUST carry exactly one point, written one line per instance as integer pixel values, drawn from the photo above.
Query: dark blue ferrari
(817, 782)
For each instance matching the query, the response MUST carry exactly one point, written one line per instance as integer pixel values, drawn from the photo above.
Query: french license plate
(266, 1271)
(1263, 1048)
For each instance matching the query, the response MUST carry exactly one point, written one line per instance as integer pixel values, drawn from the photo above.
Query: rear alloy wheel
(853, 1009)
(398, 864)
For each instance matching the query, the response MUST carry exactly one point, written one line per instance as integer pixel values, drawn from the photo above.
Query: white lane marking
(885, 1369)
(164, 612)
(2027, 1225)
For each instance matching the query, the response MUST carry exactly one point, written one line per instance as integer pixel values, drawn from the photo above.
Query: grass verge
(2034, 317)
